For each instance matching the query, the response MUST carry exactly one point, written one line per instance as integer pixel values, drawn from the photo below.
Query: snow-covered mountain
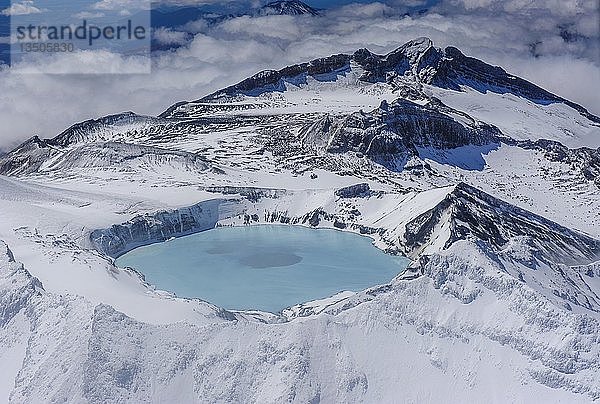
(185, 19)
(286, 7)
(487, 182)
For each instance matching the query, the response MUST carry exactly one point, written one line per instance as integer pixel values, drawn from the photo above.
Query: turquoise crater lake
(264, 268)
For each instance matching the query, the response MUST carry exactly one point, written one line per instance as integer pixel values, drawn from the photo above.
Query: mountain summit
(416, 62)
(291, 7)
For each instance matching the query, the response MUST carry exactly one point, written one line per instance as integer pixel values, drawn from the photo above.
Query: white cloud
(86, 15)
(369, 10)
(575, 79)
(90, 62)
(122, 5)
(275, 27)
(225, 54)
(23, 8)
(169, 37)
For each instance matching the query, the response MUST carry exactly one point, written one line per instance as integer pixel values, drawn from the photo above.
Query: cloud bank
(553, 45)
(22, 8)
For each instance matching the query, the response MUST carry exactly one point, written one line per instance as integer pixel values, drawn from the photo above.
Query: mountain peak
(406, 69)
(478, 215)
(286, 7)
(418, 45)
(407, 57)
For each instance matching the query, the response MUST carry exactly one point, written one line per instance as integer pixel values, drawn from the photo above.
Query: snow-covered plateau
(488, 183)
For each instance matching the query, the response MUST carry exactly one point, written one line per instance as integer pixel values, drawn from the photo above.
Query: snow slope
(462, 323)
(432, 154)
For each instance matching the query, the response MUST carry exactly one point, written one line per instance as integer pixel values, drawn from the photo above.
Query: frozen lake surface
(264, 268)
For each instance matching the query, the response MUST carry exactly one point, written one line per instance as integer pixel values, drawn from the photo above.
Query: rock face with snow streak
(395, 131)
(272, 80)
(17, 286)
(26, 158)
(472, 214)
(94, 128)
(96, 155)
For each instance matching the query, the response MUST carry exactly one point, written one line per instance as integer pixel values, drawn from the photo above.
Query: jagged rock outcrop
(412, 58)
(27, 157)
(395, 131)
(409, 58)
(469, 213)
(273, 80)
(354, 191)
(253, 194)
(17, 286)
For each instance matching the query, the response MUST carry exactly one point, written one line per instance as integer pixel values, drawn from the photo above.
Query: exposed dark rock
(410, 58)
(474, 214)
(354, 191)
(89, 130)
(339, 225)
(314, 218)
(396, 131)
(286, 7)
(569, 34)
(26, 158)
(30, 157)
(583, 159)
(273, 80)
(251, 193)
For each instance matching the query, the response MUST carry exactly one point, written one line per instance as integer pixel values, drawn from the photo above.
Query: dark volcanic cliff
(396, 131)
